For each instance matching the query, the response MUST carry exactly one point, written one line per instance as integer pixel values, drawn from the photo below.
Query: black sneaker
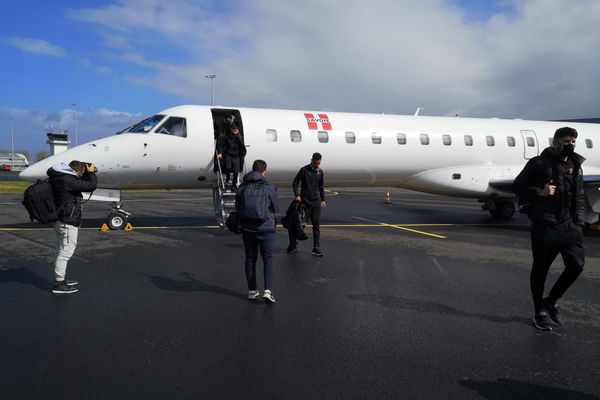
(553, 312)
(317, 253)
(292, 249)
(70, 282)
(63, 287)
(542, 321)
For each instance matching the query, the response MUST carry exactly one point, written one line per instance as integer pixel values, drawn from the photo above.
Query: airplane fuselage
(443, 155)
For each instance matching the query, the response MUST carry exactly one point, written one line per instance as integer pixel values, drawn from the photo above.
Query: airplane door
(530, 144)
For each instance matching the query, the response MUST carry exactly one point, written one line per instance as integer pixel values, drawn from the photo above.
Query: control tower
(58, 141)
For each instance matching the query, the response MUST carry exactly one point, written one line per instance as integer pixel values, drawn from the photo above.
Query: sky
(119, 61)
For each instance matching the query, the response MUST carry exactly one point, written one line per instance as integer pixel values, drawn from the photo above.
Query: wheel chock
(128, 227)
(104, 228)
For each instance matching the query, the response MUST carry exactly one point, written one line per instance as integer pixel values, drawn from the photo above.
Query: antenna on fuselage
(419, 109)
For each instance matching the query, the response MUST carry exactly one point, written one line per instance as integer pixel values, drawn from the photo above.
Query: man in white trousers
(68, 181)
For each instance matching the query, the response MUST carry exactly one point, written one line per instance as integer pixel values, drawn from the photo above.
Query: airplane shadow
(191, 284)
(26, 276)
(431, 307)
(505, 389)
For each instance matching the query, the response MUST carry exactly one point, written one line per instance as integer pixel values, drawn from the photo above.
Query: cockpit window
(174, 126)
(146, 125)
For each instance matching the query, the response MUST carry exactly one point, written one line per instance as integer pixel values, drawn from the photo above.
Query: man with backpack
(256, 203)
(68, 181)
(550, 190)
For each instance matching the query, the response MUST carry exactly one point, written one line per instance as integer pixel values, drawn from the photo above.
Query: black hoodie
(67, 188)
(308, 184)
(567, 203)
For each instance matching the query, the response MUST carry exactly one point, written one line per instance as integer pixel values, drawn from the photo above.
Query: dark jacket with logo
(308, 184)
(567, 203)
(255, 177)
(67, 188)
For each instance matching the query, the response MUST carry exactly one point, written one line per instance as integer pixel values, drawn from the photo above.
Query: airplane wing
(505, 182)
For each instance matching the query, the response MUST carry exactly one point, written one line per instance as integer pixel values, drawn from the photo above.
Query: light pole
(12, 144)
(211, 77)
(75, 118)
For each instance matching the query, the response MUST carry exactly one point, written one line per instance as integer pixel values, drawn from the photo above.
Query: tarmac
(424, 298)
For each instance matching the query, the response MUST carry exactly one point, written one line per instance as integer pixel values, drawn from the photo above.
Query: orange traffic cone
(387, 200)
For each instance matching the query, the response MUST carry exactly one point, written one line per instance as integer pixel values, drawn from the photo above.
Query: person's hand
(323, 204)
(90, 167)
(298, 199)
(219, 156)
(548, 189)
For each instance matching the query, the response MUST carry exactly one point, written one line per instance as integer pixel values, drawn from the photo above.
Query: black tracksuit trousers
(546, 242)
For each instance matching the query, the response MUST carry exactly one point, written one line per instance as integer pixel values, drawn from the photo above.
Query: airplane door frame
(218, 115)
(531, 148)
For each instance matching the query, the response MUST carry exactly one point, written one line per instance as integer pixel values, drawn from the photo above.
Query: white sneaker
(268, 297)
(253, 294)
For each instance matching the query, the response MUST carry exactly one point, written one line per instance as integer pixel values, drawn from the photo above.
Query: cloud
(31, 126)
(525, 58)
(37, 46)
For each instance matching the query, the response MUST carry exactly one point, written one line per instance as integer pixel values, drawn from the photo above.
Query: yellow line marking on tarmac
(371, 224)
(404, 228)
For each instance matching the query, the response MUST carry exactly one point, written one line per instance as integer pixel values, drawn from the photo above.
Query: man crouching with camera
(68, 181)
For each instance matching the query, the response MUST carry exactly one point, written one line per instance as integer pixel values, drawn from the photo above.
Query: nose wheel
(118, 218)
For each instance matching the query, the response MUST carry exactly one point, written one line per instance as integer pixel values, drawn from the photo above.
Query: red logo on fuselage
(313, 123)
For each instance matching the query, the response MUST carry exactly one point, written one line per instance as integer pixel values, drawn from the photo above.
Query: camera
(89, 165)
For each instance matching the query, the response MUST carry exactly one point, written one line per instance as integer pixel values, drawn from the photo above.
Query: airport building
(13, 162)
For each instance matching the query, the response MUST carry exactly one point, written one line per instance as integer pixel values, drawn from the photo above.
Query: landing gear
(499, 208)
(118, 218)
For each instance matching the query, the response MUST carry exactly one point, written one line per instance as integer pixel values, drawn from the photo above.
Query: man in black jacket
(68, 181)
(550, 190)
(232, 151)
(308, 190)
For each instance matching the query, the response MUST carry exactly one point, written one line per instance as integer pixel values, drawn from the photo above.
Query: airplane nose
(33, 173)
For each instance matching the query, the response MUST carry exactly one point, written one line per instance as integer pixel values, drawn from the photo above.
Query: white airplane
(464, 157)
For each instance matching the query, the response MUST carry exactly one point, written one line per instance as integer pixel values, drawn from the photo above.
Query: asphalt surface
(425, 298)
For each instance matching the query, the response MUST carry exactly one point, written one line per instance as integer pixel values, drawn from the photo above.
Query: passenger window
(296, 136)
(323, 136)
(490, 140)
(271, 135)
(174, 126)
(511, 141)
(375, 138)
(350, 137)
(401, 138)
(447, 140)
(589, 144)
(530, 141)
(468, 140)
(424, 138)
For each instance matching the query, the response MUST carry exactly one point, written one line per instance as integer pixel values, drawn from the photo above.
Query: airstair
(223, 198)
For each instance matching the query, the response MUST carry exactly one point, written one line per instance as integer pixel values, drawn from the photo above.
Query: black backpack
(254, 204)
(38, 199)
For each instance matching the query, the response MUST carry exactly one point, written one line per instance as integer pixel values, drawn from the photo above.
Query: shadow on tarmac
(430, 307)
(191, 284)
(24, 275)
(504, 389)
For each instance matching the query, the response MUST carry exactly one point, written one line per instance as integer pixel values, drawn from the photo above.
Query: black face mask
(567, 150)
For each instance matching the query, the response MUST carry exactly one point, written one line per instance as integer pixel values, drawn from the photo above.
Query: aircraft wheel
(503, 210)
(116, 220)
